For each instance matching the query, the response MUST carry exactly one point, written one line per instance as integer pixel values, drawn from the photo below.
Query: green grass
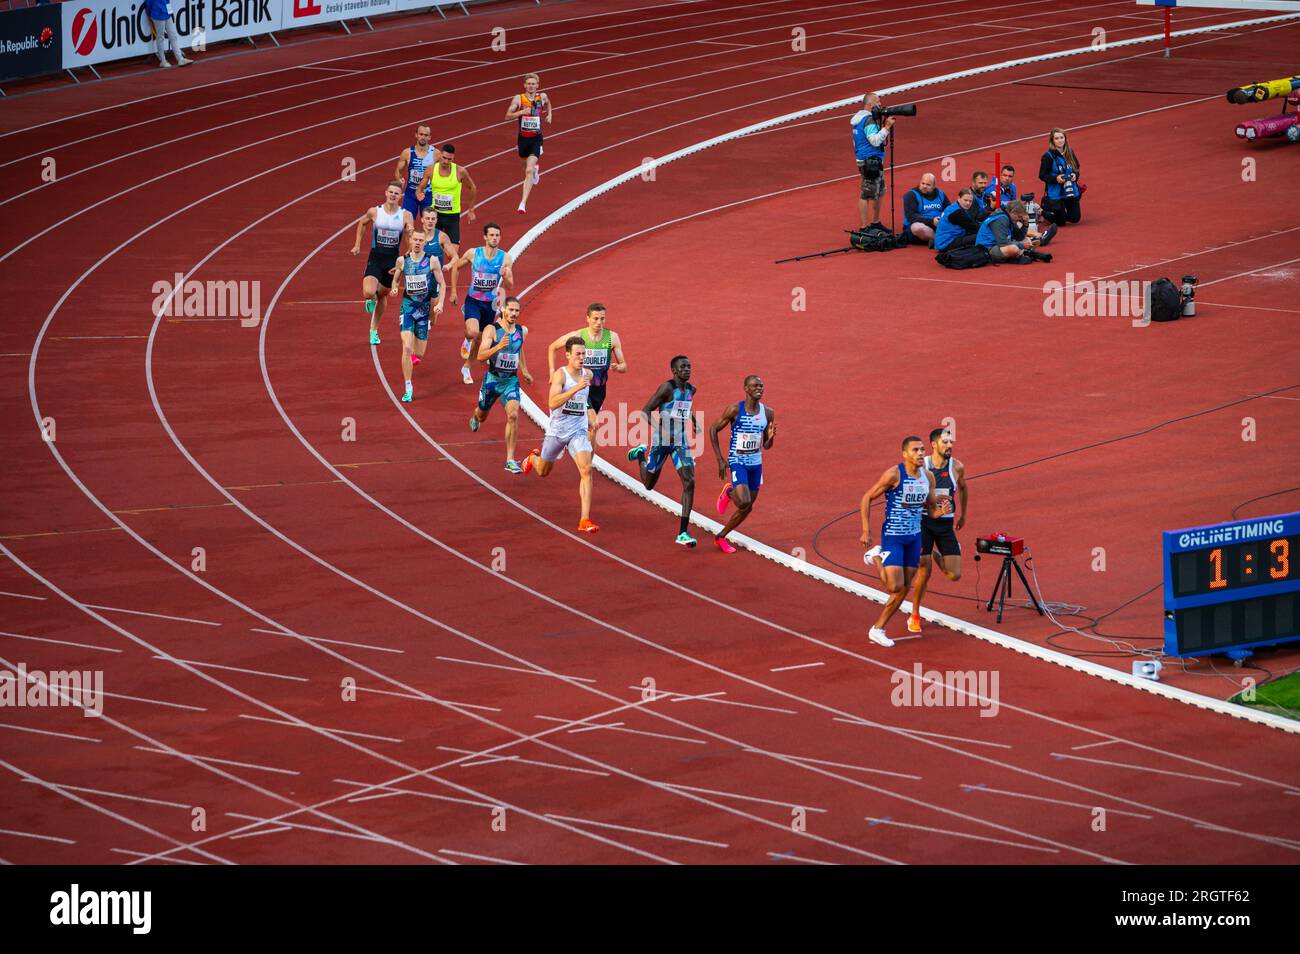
(1282, 696)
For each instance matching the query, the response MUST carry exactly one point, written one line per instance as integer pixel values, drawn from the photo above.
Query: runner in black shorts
(443, 183)
(389, 222)
(941, 532)
(528, 108)
(604, 353)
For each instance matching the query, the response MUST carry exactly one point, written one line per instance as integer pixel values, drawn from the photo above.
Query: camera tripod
(1002, 588)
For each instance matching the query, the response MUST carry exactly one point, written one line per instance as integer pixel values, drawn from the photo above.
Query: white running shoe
(878, 637)
(869, 558)
(537, 174)
(521, 209)
(465, 375)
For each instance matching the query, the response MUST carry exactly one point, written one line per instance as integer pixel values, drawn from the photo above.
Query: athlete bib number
(389, 237)
(678, 411)
(531, 124)
(484, 284)
(442, 202)
(596, 358)
(748, 443)
(576, 405)
(944, 493)
(505, 361)
(417, 286)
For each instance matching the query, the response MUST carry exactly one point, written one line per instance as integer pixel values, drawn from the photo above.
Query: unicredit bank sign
(95, 31)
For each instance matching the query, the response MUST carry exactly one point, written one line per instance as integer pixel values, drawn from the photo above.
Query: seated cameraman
(979, 182)
(869, 138)
(921, 208)
(956, 226)
(1003, 233)
(1004, 188)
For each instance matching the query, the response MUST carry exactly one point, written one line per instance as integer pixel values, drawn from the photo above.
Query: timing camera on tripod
(872, 239)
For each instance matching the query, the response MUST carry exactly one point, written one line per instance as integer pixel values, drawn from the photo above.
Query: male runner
(673, 401)
(411, 165)
(949, 481)
(601, 345)
(442, 184)
(437, 243)
(416, 270)
(753, 429)
(908, 487)
(490, 277)
(566, 428)
(389, 222)
(503, 349)
(527, 107)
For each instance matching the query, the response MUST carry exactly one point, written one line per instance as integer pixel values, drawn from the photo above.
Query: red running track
(497, 660)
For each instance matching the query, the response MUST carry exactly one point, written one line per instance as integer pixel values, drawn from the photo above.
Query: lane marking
(641, 831)
(60, 642)
(468, 854)
(322, 639)
(100, 791)
(308, 725)
(209, 758)
(961, 834)
(1145, 768)
(747, 798)
(174, 619)
(251, 672)
(859, 768)
(800, 666)
(1054, 801)
(61, 735)
(483, 758)
(530, 672)
(937, 735)
(30, 834)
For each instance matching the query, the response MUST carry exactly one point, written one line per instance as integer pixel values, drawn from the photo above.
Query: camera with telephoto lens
(1188, 294)
(879, 113)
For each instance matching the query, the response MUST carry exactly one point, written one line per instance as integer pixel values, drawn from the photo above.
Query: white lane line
(747, 798)
(468, 854)
(531, 672)
(1054, 801)
(937, 735)
(308, 725)
(60, 642)
(1224, 304)
(444, 702)
(859, 768)
(1253, 271)
(640, 831)
(711, 697)
(28, 834)
(799, 666)
(22, 596)
(456, 59)
(868, 36)
(251, 672)
(155, 702)
(1291, 793)
(322, 639)
(621, 728)
(259, 832)
(994, 26)
(743, 46)
(141, 854)
(95, 337)
(962, 834)
(487, 759)
(332, 69)
(1145, 768)
(1279, 397)
(389, 789)
(594, 53)
(783, 856)
(209, 758)
(100, 791)
(1093, 745)
(60, 735)
(359, 836)
(174, 619)
(1289, 842)
(598, 725)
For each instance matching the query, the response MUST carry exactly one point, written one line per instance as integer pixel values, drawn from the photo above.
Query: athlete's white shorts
(553, 447)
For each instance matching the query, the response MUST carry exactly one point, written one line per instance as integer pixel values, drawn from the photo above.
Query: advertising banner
(307, 12)
(31, 42)
(95, 31)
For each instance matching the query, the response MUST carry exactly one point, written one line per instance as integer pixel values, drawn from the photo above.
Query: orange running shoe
(528, 461)
(914, 623)
(586, 526)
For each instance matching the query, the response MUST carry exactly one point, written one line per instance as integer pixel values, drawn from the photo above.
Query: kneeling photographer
(921, 209)
(1005, 234)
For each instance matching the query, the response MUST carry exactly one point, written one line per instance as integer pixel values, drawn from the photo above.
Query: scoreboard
(1232, 586)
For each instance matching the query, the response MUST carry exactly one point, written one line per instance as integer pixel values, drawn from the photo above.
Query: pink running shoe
(723, 545)
(723, 499)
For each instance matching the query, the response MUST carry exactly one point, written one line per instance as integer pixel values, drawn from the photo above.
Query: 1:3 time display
(1223, 568)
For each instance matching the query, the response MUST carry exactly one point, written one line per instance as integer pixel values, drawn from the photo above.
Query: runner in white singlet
(389, 223)
(567, 427)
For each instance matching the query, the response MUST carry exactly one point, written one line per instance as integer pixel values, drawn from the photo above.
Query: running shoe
(723, 499)
(686, 540)
(473, 423)
(521, 210)
(586, 526)
(370, 306)
(464, 350)
(878, 637)
(406, 396)
(869, 558)
(636, 453)
(537, 173)
(513, 467)
(465, 375)
(723, 545)
(528, 461)
(374, 336)
(914, 623)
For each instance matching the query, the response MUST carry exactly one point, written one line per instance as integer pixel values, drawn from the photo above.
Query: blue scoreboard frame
(1230, 587)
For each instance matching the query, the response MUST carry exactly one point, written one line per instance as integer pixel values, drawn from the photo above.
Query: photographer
(1059, 170)
(956, 226)
(1004, 234)
(1004, 189)
(979, 183)
(869, 138)
(921, 209)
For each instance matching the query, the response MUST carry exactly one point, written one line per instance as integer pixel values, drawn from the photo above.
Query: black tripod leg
(997, 589)
(1034, 599)
(1006, 586)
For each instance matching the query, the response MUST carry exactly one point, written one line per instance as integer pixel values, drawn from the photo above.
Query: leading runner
(753, 429)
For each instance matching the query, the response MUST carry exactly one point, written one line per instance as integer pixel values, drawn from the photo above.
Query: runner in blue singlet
(503, 350)
(673, 400)
(908, 489)
(490, 277)
(753, 428)
(418, 275)
(411, 164)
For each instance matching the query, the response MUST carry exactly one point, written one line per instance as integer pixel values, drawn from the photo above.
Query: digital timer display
(1232, 586)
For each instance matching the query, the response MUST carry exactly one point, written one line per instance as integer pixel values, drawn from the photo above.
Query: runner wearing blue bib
(503, 350)
(410, 170)
(418, 274)
(671, 438)
(490, 278)
(753, 429)
(908, 489)
(941, 532)
(437, 245)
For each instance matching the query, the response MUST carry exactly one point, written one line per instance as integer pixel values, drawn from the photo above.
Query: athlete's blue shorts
(657, 454)
(414, 207)
(751, 475)
(417, 321)
(903, 551)
(480, 311)
(504, 388)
